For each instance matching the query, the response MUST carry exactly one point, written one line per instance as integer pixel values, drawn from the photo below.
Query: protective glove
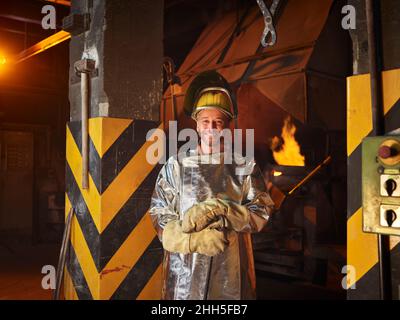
(209, 242)
(215, 213)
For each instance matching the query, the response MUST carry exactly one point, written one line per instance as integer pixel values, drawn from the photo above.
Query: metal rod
(61, 2)
(385, 272)
(164, 111)
(311, 174)
(174, 112)
(41, 46)
(63, 252)
(375, 68)
(85, 139)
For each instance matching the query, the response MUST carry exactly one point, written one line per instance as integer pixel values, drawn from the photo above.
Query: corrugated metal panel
(277, 72)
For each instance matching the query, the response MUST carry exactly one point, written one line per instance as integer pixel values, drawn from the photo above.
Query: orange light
(43, 45)
(277, 173)
(286, 150)
(62, 2)
(3, 65)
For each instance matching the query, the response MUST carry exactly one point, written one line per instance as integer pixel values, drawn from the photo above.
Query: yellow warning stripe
(125, 258)
(67, 206)
(103, 208)
(120, 264)
(359, 114)
(83, 255)
(80, 247)
(126, 183)
(91, 195)
(362, 248)
(152, 290)
(69, 289)
(105, 131)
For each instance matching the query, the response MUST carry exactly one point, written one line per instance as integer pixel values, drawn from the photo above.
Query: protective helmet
(209, 90)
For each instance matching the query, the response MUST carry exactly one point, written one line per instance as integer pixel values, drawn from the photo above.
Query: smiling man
(204, 208)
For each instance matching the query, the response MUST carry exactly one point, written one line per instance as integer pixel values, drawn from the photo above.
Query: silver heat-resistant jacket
(195, 178)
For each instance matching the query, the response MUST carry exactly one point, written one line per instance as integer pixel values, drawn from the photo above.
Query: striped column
(114, 252)
(362, 248)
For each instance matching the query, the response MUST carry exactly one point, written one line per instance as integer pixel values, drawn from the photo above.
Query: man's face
(210, 122)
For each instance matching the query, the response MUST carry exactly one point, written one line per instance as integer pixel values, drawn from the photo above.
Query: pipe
(60, 2)
(85, 130)
(41, 46)
(311, 174)
(374, 56)
(63, 254)
(84, 68)
(174, 115)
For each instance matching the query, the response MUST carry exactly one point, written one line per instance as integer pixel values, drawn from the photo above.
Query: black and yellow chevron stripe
(362, 248)
(114, 252)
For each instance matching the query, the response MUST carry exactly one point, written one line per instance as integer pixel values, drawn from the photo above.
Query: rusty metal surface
(277, 72)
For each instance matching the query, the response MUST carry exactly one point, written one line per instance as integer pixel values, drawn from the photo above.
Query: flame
(3, 59)
(285, 149)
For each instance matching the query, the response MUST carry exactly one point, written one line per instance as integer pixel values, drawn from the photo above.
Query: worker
(204, 210)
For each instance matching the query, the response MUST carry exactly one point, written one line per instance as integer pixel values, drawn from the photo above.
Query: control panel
(381, 185)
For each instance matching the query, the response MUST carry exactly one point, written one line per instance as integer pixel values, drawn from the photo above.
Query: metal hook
(268, 21)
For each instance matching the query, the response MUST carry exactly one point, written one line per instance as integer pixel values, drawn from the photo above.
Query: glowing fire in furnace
(285, 149)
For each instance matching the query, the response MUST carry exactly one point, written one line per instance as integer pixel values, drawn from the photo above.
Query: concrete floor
(20, 271)
(271, 287)
(21, 277)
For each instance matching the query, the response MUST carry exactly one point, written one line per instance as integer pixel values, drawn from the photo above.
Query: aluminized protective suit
(187, 180)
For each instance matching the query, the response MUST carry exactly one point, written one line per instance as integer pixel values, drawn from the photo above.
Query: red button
(385, 152)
